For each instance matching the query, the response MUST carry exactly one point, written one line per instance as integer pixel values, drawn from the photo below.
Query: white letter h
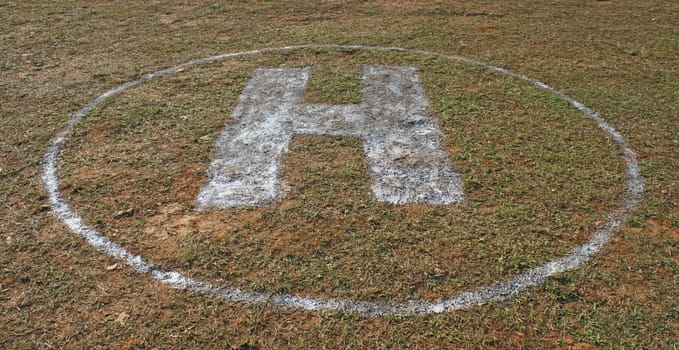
(400, 139)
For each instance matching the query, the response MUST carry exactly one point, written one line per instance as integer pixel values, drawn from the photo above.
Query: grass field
(539, 176)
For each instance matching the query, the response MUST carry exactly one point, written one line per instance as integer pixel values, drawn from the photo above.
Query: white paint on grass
(400, 139)
(492, 293)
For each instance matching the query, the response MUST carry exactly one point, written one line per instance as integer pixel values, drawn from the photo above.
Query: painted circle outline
(490, 293)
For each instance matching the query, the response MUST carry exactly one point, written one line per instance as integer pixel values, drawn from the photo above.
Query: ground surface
(539, 176)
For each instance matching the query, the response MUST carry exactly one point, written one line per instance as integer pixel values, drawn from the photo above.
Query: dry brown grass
(521, 154)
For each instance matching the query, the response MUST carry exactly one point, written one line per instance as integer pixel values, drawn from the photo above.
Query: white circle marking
(491, 293)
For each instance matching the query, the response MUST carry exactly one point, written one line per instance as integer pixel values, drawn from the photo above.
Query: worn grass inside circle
(539, 177)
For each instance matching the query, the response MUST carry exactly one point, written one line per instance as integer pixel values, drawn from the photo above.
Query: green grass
(539, 176)
(533, 191)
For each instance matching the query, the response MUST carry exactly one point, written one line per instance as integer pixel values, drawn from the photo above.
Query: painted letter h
(400, 139)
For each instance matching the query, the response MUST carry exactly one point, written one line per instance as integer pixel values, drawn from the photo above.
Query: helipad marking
(400, 139)
(492, 293)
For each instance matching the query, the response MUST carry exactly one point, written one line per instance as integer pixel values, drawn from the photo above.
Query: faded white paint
(481, 295)
(400, 139)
